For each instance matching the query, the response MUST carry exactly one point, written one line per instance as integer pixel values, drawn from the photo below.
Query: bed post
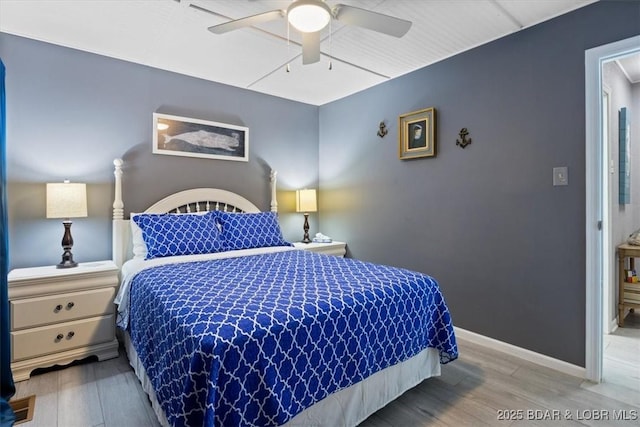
(119, 225)
(274, 200)
(118, 205)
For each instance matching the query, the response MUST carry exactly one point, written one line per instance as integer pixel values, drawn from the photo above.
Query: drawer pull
(59, 337)
(70, 305)
(70, 335)
(58, 308)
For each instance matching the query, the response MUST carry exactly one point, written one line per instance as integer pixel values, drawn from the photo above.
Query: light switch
(560, 176)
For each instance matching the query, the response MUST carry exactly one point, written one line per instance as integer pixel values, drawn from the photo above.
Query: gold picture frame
(417, 134)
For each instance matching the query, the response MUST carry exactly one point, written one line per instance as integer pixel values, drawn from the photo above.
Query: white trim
(609, 266)
(594, 202)
(522, 353)
(593, 293)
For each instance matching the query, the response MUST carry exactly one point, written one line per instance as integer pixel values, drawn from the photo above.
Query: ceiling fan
(311, 16)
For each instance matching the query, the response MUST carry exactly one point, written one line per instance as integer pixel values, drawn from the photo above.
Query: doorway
(598, 222)
(621, 345)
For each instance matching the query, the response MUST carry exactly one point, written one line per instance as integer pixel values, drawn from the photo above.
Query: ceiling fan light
(309, 16)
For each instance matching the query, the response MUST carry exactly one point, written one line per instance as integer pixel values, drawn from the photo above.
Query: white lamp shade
(309, 16)
(66, 200)
(306, 201)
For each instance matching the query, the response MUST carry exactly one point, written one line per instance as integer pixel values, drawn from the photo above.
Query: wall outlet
(560, 176)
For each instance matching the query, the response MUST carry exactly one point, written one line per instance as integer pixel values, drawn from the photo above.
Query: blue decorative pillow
(250, 230)
(179, 234)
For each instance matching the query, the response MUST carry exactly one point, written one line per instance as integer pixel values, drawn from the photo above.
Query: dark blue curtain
(8, 389)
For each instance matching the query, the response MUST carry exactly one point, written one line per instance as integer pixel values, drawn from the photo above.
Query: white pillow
(139, 247)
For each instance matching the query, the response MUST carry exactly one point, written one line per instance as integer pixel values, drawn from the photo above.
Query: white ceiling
(172, 35)
(630, 66)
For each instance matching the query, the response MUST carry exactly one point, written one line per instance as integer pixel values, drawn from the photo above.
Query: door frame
(609, 270)
(595, 203)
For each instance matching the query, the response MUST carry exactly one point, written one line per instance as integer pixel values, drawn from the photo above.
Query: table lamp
(306, 202)
(66, 200)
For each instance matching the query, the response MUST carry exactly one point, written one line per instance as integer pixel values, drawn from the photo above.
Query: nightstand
(61, 315)
(332, 248)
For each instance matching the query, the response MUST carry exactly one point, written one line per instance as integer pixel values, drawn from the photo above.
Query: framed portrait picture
(182, 136)
(417, 134)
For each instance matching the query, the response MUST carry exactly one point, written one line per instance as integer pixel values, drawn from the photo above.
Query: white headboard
(194, 200)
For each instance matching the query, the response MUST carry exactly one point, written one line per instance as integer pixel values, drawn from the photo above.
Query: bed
(225, 323)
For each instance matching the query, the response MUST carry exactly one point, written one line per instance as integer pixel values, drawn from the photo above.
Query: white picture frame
(188, 137)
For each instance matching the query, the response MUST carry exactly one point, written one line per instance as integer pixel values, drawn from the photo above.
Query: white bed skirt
(346, 408)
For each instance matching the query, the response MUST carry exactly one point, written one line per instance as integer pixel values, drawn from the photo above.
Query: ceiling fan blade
(310, 47)
(371, 20)
(249, 21)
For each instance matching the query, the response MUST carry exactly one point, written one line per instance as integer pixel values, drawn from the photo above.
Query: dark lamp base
(67, 264)
(67, 259)
(306, 238)
(67, 244)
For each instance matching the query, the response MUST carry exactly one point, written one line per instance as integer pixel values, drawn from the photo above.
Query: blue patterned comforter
(254, 340)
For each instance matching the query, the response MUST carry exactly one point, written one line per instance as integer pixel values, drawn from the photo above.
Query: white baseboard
(522, 353)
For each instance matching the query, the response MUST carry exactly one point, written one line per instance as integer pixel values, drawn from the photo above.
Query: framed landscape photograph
(417, 134)
(182, 136)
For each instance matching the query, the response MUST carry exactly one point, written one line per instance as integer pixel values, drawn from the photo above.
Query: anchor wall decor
(463, 141)
(382, 131)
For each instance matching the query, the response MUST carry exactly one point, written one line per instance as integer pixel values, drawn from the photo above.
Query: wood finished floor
(472, 391)
(621, 362)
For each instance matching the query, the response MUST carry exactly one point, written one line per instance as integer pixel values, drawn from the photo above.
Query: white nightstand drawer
(64, 336)
(331, 248)
(26, 313)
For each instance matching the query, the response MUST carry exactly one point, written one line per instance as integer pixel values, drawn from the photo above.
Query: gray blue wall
(70, 113)
(507, 247)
